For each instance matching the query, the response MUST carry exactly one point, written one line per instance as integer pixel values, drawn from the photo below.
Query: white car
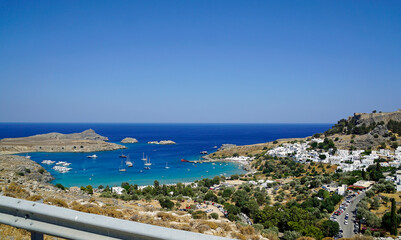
(346, 222)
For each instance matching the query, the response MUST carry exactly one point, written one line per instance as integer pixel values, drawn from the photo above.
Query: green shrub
(166, 203)
(58, 185)
(199, 215)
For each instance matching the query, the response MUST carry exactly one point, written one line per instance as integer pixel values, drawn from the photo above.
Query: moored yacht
(128, 162)
(122, 155)
(148, 163)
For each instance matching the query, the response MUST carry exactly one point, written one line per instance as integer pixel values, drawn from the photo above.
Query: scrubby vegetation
(349, 127)
(394, 126)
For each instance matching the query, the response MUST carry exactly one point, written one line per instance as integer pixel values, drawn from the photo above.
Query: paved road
(349, 228)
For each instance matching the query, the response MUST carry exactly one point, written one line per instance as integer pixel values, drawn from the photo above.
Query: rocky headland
(86, 141)
(129, 140)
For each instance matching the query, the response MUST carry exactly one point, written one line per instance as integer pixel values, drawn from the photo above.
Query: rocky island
(129, 140)
(162, 142)
(86, 141)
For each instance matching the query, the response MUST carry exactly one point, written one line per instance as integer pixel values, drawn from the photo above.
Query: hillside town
(346, 160)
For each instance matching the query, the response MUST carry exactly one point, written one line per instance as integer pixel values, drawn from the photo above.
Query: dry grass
(246, 230)
(255, 237)
(106, 210)
(203, 228)
(361, 237)
(184, 227)
(35, 198)
(386, 208)
(167, 216)
(16, 191)
(238, 236)
(212, 225)
(225, 226)
(8, 232)
(56, 201)
(306, 238)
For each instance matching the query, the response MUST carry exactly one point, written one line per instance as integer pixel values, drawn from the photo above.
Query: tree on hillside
(330, 228)
(394, 220)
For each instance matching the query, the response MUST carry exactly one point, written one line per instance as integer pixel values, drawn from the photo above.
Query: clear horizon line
(169, 122)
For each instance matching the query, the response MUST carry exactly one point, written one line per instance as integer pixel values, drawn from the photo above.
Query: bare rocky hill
(370, 118)
(86, 141)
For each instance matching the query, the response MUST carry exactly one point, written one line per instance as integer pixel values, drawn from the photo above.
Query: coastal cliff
(86, 141)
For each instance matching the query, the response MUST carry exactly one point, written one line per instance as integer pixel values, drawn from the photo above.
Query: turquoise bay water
(104, 169)
(190, 139)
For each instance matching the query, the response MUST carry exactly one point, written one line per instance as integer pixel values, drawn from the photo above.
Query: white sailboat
(27, 156)
(148, 163)
(128, 162)
(144, 158)
(166, 167)
(121, 168)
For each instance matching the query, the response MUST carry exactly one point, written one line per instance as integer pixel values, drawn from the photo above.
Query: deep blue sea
(191, 139)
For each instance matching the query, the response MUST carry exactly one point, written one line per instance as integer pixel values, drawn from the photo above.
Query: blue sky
(198, 61)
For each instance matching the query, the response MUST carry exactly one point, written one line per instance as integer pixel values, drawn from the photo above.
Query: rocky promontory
(162, 142)
(12, 166)
(129, 140)
(86, 141)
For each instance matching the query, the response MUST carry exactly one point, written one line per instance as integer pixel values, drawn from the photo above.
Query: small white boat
(166, 167)
(148, 163)
(144, 158)
(92, 156)
(48, 162)
(121, 168)
(215, 147)
(63, 163)
(61, 169)
(27, 156)
(147, 168)
(128, 162)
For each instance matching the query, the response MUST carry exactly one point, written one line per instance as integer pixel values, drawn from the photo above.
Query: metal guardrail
(39, 219)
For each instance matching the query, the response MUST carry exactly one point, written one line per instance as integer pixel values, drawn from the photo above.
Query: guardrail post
(36, 236)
